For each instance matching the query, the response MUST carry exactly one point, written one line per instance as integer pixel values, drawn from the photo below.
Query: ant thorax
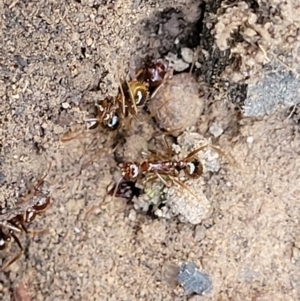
(163, 167)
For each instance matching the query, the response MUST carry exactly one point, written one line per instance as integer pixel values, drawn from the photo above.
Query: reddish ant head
(129, 171)
(193, 169)
(156, 72)
(42, 204)
(38, 208)
(113, 122)
(107, 115)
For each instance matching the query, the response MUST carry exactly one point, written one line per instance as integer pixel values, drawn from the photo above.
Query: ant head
(129, 171)
(156, 72)
(42, 204)
(113, 122)
(194, 168)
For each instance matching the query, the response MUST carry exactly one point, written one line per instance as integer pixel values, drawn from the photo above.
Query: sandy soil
(56, 61)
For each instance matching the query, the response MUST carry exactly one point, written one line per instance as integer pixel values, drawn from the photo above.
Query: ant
(132, 94)
(192, 167)
(19, 223)
(159, 167)
(111, 112)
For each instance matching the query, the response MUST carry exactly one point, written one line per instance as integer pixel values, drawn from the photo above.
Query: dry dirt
(55, 60)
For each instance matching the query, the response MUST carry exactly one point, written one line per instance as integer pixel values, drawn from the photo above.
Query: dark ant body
(126, 190)
(154, 73)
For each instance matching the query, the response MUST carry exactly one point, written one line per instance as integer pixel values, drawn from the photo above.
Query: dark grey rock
(279, 87)
(192, 280)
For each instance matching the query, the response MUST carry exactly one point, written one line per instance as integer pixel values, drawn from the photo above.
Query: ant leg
(123, 96)
(91, 123)
(231, 161)
(108, 191)
(164, 181)
(219, 151)
(157, 176)
(13, 227)
(41, 181)
(195, 58)
(115, 189)
(157, 90)
(182, 185)
(10, 262)
(96, 155)
(135, 117)
(168, 148)
(138, 74)
(193, 153)
(154, 155)
(150, 179)
(131, 99)
(33, 233)
(17, 226)
(71, 135)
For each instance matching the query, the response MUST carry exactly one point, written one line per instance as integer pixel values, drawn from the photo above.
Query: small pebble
(250, 140)
(187, 54)
(132, 215)
(89, 42)
(200, 232)
(216, 130)
(65, 105)
(192, 280)
(77, 230)
(178, 64)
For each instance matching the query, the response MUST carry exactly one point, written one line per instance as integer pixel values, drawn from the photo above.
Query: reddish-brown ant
(9, 228)
(132, 94)
(132, 171)
(165, 167)
(111, 112)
